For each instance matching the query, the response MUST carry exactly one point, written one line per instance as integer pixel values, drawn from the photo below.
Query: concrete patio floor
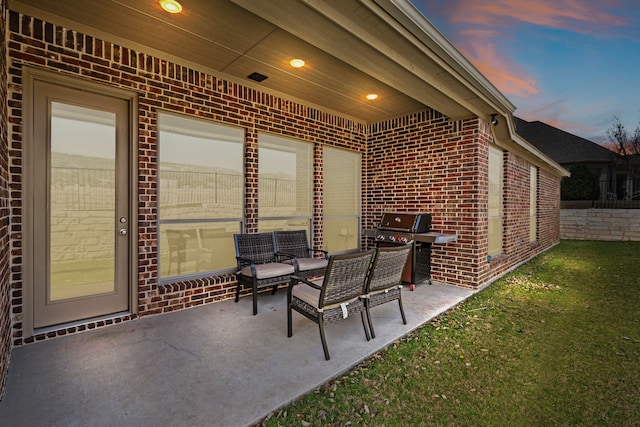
(215, 365)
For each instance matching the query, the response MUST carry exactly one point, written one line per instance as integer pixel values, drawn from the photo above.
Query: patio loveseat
(258, 266)
(292, 247)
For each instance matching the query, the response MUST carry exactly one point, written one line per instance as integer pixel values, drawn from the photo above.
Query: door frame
(29, 76)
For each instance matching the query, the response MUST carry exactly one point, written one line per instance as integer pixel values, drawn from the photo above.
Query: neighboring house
(135, 143)
(616, 183)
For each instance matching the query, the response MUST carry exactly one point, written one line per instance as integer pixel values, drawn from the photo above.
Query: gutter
(421, 28)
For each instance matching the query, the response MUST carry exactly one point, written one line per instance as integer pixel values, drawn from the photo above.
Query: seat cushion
(386, 290)
(311, 296)
(306, 264)
(306, 293)
(269, 270)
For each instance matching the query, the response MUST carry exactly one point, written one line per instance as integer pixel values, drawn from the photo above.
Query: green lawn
(555, 343)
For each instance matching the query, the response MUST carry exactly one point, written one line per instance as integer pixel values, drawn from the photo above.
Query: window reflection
(200, 194)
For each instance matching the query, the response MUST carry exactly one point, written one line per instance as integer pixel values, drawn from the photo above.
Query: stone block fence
(600, 224)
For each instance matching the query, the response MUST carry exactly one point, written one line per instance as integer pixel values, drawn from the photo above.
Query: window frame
(533, 203)
(495, 247)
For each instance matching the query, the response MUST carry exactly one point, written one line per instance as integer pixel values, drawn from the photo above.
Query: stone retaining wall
(600, 224)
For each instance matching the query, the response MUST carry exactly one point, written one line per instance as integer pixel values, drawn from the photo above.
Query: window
(495, 200)
(533, 202)
(285, 184)
(201, 188)
(342, 183)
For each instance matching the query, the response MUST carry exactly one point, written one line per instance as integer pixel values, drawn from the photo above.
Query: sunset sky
(573, 64)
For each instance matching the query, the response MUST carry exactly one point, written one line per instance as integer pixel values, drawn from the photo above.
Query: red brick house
(124, 125)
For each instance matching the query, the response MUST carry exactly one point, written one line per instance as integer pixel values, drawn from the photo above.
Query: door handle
(123, 231)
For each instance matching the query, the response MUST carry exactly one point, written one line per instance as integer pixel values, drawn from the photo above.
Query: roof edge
(529, 147)
(420, 26)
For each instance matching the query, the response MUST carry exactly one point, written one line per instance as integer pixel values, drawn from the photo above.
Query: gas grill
(414, 229)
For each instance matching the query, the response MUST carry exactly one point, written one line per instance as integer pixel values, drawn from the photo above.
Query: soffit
(349, 48)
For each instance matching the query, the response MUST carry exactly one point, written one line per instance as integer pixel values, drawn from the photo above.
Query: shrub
(581, 185)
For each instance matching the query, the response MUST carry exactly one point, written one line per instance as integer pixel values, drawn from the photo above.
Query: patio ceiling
(351, 48)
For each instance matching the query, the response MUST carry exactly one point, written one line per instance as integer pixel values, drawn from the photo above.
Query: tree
(581, 185)
(626, 145)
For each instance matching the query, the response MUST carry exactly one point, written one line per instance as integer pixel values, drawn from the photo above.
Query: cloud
(479, 47)
(568, 63)
(487, 33)
(581, 16)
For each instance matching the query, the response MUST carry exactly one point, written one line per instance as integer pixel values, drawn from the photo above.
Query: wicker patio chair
(257, 265)
(332, 298)
(292, 247)
(384, 283)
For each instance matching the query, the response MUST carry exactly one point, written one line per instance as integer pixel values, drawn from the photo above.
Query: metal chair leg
(238, 291)
(373, 333)
(364, 324)
(323, 339)
(289, 315)
(404, 319)
(255, 298)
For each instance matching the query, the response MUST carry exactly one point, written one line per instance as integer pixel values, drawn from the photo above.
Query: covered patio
(220, 75)
(213, 365)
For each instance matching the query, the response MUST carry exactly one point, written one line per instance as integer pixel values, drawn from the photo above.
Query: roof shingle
(561, 146)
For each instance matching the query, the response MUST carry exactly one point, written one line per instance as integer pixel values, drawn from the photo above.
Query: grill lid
(408, 222)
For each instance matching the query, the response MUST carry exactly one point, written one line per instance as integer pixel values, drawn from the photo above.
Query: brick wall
(516, 240)
(516, 244)
(161, 84)
(548, 209)
(5, 299)
(423, 162)
(427, 163)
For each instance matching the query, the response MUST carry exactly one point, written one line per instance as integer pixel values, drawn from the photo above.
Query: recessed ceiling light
(297, 63)
(171, 6)
(372, 96)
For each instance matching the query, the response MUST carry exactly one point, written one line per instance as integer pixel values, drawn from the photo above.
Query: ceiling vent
(257, 77)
